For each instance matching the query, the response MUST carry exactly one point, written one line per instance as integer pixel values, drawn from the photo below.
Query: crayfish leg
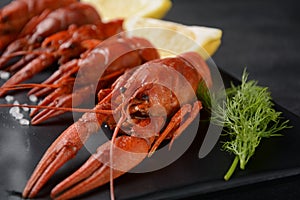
(178, 124)
(65, 100)
(103, 93)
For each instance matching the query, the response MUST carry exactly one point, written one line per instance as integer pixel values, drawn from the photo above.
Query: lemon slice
(174, 38)
(111, 9)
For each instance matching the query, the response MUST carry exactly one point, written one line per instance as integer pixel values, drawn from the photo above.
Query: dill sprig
(247, 116)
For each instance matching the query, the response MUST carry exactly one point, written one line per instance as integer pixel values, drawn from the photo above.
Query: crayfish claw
(127, 153)
(49, 164)
(63, 149)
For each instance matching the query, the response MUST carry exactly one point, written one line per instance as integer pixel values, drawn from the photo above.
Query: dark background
(262, 35)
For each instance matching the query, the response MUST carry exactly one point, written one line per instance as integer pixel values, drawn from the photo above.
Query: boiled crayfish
(112, 58)
(142, 99)
(49, 23)
(15, 16)
(58, 20)
(80, 46)
(143, 107)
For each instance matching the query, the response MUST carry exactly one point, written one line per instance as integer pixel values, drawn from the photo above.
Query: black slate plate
(21, 148)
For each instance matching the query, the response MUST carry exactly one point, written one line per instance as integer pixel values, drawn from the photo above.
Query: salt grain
(14, 110)
(16, 102)
(4, 75)
(9, 98)
(26, 109)
(15, 114)
(24, 122)
(33, 98)
(19, 116)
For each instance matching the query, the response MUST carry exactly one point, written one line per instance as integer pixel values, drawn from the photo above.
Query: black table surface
(263, 36)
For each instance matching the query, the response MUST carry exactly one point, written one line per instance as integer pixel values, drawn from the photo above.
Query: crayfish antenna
(81, 110)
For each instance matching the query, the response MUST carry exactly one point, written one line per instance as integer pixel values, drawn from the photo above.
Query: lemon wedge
(112, 9)
(173, 38)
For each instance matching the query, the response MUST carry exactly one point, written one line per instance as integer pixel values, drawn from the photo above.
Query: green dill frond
(203, 95)
(248, 117)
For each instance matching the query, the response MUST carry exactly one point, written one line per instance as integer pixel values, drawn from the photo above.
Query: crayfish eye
(106, 129)
(145, 97)
(39, 39)
(122, 89)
